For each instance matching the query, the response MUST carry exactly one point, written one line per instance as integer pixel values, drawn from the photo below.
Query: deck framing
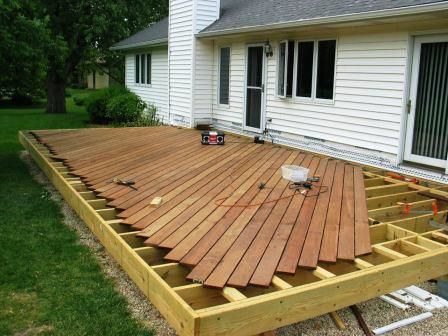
(406, 251)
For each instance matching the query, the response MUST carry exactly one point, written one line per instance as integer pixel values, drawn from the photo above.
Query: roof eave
(154, 43)
(419, 9)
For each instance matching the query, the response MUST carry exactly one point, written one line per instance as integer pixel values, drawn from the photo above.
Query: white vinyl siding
(368, 94)
(181, 61)
(233, 112)
(157, 92)
(191, 61)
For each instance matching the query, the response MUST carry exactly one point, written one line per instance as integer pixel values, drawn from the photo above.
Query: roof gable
(157, 33)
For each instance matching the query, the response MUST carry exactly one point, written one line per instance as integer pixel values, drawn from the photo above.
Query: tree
(83, 30)
(23, 59)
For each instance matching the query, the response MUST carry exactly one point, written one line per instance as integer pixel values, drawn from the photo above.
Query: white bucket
(295, 173)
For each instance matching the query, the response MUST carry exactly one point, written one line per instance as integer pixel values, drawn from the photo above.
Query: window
(143, 68)
(137, 68)
(315, 69)
(313, 73)
(285, 69)
(224, 75)
(325, 69)
(305, 56)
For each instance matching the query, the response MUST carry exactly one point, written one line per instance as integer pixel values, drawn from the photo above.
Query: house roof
(253, 15)
(157, 33)
(237, 15)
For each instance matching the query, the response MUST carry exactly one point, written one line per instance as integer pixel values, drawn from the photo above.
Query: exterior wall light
(268, 49)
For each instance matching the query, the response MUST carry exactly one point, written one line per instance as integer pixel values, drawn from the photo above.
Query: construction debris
(402, 323)
(156, 201)
(393, 302)
(362, 323)
(338, 321)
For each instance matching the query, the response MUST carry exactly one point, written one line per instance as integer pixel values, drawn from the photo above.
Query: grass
(49, 284)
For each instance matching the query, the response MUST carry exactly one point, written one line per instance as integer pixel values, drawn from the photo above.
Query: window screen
(305, 56)
(143, 69)
(224, 75)
(325, 69)
(281, 82)
(137, 68)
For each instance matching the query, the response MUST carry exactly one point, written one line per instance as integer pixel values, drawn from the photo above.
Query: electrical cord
(297, 191)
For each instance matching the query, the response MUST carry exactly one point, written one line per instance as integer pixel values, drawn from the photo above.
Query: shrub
(125, 108)
(148, 118)
(96, 103)
(96, 107)
(79, 100)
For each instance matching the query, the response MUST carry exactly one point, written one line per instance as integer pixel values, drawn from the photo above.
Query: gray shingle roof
(154, 34)
(237, 14)
(240, 14)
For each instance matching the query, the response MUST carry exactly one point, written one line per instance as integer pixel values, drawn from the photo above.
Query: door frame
(412, 99)
(263, 92)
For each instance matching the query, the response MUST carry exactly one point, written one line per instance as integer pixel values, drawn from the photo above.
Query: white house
(363, 80)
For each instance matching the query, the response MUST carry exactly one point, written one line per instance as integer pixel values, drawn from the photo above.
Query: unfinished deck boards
(226, 212)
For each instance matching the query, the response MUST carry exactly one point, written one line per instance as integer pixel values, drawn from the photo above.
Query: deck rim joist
(239, 312)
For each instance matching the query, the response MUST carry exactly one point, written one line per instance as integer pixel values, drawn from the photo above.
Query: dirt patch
(35, 331)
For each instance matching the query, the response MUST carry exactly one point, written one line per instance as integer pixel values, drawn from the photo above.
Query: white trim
(413, 97)
(384, 13)
(263, 92)
(406, 97)
(139, 83)
(154, 43)
(218, 93)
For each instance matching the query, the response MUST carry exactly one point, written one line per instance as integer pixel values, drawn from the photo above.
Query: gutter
(153, 43)
(384, 13)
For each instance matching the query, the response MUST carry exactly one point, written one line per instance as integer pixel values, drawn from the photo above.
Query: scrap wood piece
(337, 320)
(156, 201)
(362, 323)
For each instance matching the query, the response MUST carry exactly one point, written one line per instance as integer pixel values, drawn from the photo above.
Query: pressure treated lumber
(194, 310)
(227, 213)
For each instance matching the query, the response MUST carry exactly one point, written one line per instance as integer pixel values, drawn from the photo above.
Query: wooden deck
(215, 218)
(406, 249)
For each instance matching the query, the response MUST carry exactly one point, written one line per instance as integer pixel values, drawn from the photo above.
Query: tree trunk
(55, 93)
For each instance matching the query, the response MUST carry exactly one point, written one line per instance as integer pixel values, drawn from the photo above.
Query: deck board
(215, 218)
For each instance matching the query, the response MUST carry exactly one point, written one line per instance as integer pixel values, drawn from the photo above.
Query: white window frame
(313, 98)
(285, 69)
(139, 83)
(218, 86)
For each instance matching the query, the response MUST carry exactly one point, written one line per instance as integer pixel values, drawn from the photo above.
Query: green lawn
(49, 284)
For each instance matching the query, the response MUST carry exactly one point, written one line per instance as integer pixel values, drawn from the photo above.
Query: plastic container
(295, 173)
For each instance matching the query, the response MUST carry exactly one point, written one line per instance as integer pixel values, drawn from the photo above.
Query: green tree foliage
(77, 32)
(23, 59)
